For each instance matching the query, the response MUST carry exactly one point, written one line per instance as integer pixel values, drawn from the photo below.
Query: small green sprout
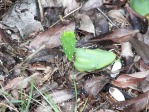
(85, 59)
(68, 43)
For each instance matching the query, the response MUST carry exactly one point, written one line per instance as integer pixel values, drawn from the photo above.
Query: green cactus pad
(68, 43)
(141, 7)
(90, 60)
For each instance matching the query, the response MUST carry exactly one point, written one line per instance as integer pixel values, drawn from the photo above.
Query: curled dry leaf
(94, 85)
(117, 3)
(133, 105)
(117, 94)
(141, 48)
(64, 107)
(125, 80)
(52, 15)
(46, 55)
(118, 36)
(68, 106)
(40, 108)
(51, 37)
(144, 85)
(22, 82)
(138, 21)
(86, 23)
(61, 96)
(143, 66)
(3, 37)
(91, 4)
(115, 14)
(15, 94)
(2, 74)
(22, 16)
(1, 77)
(101, 24)
(69, 5)
(45, 108)
(46, 87)
(105, 110)
(7, 60)
(15, 83)
(48, 75)
(146, 37)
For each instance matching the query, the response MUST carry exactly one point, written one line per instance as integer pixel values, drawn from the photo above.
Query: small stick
(66, 16)
(107, 17)
(11, 108)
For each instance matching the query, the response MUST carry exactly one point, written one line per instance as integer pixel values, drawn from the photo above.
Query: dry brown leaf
(118, 36)
(133, 105)
(45, 88)
(60, 96)
(15, 83)
(49, 74)
(51, 37)
(91, 4)
(126, 80)
(140, 74)
(23, 19)
(146, 37)
(15, 94)
(44, 107)
(67, 106)
(94, 85)
(69, 5)
(86, 23)
(100, 23)
(115, 14)
(105, 110)
(3, 36)
(141, 48)
(144, 85)
(40, 108)
(1, 77)
(143, 66)
(47, 55)
(138, 22)
(22, 82)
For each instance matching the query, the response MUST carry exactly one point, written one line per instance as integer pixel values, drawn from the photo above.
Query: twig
(66, 16)
(107, 17)
(29, 57)
(11, 108)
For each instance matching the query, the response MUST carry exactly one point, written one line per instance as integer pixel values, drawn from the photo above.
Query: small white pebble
(116, 94)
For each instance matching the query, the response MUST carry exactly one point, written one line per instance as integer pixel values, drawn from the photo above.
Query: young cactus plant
(68, 43)
(85, 59)
(90, 60)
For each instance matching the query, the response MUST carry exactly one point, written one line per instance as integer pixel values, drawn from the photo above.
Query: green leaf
(68, 43)
(140, 6)
(90, 60)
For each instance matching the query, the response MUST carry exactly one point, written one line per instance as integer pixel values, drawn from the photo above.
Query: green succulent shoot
(141, 7)
(90, 60)
(85, 59)
(68, 41)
